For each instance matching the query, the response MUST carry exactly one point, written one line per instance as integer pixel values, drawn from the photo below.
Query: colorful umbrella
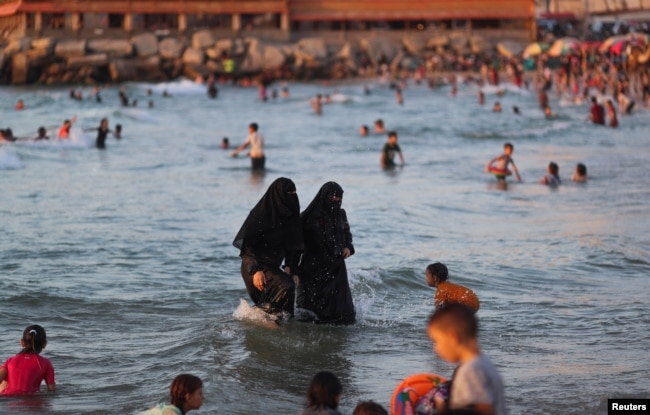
(637, 39)
(535, 48)
(604, 47)
(619, 46)
(564, 46)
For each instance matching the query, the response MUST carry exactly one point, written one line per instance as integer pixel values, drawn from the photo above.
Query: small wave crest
(9, 160)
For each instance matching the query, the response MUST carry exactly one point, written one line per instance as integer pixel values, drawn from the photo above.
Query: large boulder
(145, 44)
(458, 41)
(17, 45)
(70, 48)
(122, 70)
(349, 50)
(117, 48)
(44, 43)
(150, 64)
(19, 68)
(202, 39)
(414, 44)
(253, 62)
(170, 48)
(273, 57)
(314, 47)
(223, 45)
(437, 42)
(193, 56)
(380, 49)
(98, 59)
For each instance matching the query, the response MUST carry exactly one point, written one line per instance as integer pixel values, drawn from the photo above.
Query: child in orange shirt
(447, 292)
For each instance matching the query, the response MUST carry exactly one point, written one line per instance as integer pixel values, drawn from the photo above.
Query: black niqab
(327, 212)
(278, 209)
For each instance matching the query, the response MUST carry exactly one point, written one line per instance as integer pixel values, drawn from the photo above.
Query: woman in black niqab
(324, 288)
(270, 234)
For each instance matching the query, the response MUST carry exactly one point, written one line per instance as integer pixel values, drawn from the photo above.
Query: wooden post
(236, 22)
(128, 22)
(75, 22)
(284, 22)
(38, 22)
(182, 22)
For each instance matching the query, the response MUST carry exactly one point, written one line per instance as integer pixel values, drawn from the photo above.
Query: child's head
(363, 130)
(379, 123)
(553, 168)
(324, 391)
(453, 328)
(369, 408)
(581, 169)
(253, 127)
(392, 137)
(508, 148)
(436, 273)
(186, 392)
(34, 339)
(42, 131)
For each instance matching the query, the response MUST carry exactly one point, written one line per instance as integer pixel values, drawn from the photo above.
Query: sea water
(125, 255)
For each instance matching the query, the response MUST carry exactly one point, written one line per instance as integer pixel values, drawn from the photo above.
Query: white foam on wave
(183, 86)
(504, 87)
(78, 140)
(9, 160)
(363, 294)
(245, 312)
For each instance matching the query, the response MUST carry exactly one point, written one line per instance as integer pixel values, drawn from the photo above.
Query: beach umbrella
(604, 47)
(637, 39)
(535, 48)
(510, 48)
(619, 46)
(564, 46)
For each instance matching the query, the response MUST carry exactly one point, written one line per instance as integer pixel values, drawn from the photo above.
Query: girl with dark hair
(324, 289)
(186, 392)
(323, 395)
(270, 235)
(24, 372)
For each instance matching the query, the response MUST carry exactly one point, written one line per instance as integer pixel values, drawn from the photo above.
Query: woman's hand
(346, 253)
(258, 280)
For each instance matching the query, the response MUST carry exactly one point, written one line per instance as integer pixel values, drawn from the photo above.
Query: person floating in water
(437, 276)
(388, 152)
(225, 143)
(124, 100)
(102, 133)
(363, 130)
(270, 235)
(552, 177)
(256, 142)
(64, 131)
(213, 92)
(499, 165)
(379, 126)
(597, 112)
(317, 104)
(117, 133)
(398, 96)
(42, 134)
(20, 105)
(515, 110)
(611, 113)
(580, 175)
(496, 107)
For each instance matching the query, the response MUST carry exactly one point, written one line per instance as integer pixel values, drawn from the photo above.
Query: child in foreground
(500, 164)
(476, 384)
(22, 374)
(186, 392)
(447, 292)
(323, 395)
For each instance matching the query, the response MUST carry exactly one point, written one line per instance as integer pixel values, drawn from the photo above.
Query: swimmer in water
(363, 131)
(379, 126)
(496, 107)
(42, 134)
(316, 104)
(501, 163)
(388, 152)
(580, 175)
(64, 131)
(552, 177)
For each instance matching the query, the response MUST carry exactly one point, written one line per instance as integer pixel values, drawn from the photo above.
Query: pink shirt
(25, 373)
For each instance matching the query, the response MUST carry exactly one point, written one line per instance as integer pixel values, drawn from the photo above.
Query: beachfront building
(26, 17)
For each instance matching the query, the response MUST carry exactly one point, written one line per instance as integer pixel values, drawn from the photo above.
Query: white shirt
(256, 141)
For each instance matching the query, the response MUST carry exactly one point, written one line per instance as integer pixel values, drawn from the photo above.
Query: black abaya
(270, 234)
(324, 288)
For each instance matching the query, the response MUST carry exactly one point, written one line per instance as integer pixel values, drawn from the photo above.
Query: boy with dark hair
(447, 292)
(476, 384)
(390, 149)
(499, 165)
(256, 142)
